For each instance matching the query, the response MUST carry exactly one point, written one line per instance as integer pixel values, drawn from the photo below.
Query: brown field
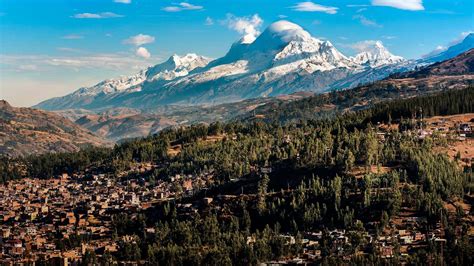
(464, 147)
(176, 149)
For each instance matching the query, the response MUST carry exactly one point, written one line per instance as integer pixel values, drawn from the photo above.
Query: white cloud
(364, 45)
(366, 22)
(118, 61)
(312, 7)
(123, 1)
(139, 39)
(413, 5)
(181, 7)
(97, 15)
(209, 21)
(247, 26)
(143, 52)
(72, 37)
(357, 5)
(389, 37)
(69, 50)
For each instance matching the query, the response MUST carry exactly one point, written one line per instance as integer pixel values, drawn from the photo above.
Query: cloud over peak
(412, 5)
(143, 52)
(363, 46)
(312, 7)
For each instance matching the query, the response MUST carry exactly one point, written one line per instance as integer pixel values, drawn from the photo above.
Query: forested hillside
(272, 185)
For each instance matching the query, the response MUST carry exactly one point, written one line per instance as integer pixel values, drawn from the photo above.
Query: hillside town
(35, 213)
(59, 220)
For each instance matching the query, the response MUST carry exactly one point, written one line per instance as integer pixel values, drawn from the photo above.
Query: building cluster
(35, 213)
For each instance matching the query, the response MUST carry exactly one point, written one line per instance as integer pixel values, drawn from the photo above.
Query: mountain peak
(374, 54)
(176, 66)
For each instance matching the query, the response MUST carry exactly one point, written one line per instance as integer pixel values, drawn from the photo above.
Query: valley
(384, 189)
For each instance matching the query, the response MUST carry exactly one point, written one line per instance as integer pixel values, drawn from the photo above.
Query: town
(59, 220)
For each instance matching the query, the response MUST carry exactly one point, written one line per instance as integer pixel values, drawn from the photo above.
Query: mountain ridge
(284, 59)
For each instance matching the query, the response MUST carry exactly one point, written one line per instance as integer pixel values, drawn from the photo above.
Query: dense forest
(311, 185)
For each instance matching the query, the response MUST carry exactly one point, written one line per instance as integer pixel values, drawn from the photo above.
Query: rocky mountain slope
(284, 59)
(25, 131)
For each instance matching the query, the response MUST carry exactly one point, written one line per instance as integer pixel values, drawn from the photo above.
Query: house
(386, 251)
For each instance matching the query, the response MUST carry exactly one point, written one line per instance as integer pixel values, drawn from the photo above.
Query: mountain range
(284, 59)
(27, 131)
(284, 64)
(122, 123)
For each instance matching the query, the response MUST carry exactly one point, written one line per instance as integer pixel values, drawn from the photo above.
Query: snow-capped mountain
(284, 59)
(376, 55)
(173, 68)
(466, 44)
(113, 85)
(176, 66)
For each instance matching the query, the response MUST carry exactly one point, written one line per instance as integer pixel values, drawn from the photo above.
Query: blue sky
(50, 48)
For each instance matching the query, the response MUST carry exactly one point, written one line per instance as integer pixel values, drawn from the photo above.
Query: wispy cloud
(123, 1)
(247, 26)
(181, 7)
(69, 50)
(139, 39)
(143, 52)
(119, 61)
(412, 5)
(366, 22)
(97, 15)
(365, 45)
(312, 7)
(209, 21)
(357, 5)
(28, 67)
(389, 37)
(72, 37)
